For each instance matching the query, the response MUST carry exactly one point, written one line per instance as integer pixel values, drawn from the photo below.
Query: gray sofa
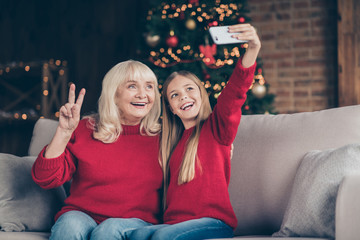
(293, 175)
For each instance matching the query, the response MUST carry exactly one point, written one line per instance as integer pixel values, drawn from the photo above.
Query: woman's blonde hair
(106, 124)
(172, 129)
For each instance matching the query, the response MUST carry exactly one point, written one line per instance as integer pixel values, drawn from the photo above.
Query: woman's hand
(68, 121)
(247, 32)
(70, 112)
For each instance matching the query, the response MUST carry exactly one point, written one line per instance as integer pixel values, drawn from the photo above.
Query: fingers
(72, 109)
(65, 110)
(240, 27)
(77, 107)
(71, 98)
(246, 32)
(80, 99)
(243, 31)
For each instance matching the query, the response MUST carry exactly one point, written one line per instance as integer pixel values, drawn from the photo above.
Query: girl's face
(134, 99)
(185, 100)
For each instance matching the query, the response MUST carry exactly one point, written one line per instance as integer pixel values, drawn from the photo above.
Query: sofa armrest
(347, 216)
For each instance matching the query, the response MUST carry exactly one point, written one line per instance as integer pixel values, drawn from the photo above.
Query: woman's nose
(141, 94)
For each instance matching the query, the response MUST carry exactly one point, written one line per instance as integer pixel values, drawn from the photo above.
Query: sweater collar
(130, 130)
(187, 132)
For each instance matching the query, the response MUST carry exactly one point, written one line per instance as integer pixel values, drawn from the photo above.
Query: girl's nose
(184, 96)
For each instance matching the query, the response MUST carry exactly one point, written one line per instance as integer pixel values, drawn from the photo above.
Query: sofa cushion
(267, 152)
(24, 206)
(43, 132)
(30, 236)
(311, 209)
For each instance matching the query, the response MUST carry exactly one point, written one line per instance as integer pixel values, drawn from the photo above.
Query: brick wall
(299, 51)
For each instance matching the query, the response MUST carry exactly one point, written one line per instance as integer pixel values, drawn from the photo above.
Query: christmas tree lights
(177, 38)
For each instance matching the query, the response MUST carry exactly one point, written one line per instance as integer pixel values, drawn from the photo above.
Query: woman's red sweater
(115, 180)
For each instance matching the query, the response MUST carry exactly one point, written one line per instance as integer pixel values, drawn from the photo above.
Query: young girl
(111, 157)
(195, 149)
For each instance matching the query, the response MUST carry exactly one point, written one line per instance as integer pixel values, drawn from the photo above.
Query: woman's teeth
(138, 104)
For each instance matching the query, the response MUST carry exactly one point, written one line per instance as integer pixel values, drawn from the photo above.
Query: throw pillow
(311, 208)
(24, 206)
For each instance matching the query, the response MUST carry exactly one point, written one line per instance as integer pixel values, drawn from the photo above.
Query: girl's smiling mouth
(187, 106)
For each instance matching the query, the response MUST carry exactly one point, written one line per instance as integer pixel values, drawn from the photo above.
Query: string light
(54, 69)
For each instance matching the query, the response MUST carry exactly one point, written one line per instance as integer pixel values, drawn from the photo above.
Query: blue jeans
(76, 225)
(203, 228)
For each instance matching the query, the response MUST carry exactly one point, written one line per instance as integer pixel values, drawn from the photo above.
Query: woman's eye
(190, 88)
(131, 86)
(150, 86)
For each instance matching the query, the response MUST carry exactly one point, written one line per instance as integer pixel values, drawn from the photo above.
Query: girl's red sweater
(207, 194)
(116, 180)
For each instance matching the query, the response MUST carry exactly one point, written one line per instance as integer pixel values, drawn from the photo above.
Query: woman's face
(134, 99)
(185, 100)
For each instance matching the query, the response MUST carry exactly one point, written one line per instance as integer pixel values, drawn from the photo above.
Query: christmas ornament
(214, 23)
(241, 20)
(172, 41)
(258, 90)
(182, 15)
(190, 24)
(206, 75)
(209, 51)
(152, 41)
(195, 2)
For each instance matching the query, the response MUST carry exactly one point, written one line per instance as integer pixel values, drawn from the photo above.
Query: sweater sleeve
(53, 172)
(225, 118)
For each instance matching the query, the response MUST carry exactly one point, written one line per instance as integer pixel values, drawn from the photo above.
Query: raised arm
(247, 32)
(227, 112)
(68, 121)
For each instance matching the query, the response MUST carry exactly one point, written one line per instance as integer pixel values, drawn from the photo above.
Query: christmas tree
(177, 38)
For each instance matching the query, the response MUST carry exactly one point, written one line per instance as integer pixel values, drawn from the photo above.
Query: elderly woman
(111, 157)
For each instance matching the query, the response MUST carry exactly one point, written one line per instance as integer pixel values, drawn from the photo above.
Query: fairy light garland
(53, 74)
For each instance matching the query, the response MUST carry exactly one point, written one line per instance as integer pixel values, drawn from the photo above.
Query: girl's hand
(70, 112)
(246, 32)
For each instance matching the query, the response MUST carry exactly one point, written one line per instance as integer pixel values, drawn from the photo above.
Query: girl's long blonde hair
(106, 123)
(172, 129)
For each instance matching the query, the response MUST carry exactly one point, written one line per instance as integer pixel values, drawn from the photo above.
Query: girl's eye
(190, 88)
(173, 95)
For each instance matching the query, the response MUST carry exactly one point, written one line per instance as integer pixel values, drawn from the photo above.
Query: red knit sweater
(207, 194)
(117, 180)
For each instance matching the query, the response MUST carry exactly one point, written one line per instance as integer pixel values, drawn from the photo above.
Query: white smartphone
(220, 35)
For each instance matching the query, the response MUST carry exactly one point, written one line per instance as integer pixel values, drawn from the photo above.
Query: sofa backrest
(267, 152)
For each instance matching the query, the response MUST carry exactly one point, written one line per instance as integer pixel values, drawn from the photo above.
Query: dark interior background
(90, 35)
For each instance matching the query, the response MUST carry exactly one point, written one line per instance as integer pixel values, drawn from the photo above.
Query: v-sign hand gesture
(70, 112)
(68, 121)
